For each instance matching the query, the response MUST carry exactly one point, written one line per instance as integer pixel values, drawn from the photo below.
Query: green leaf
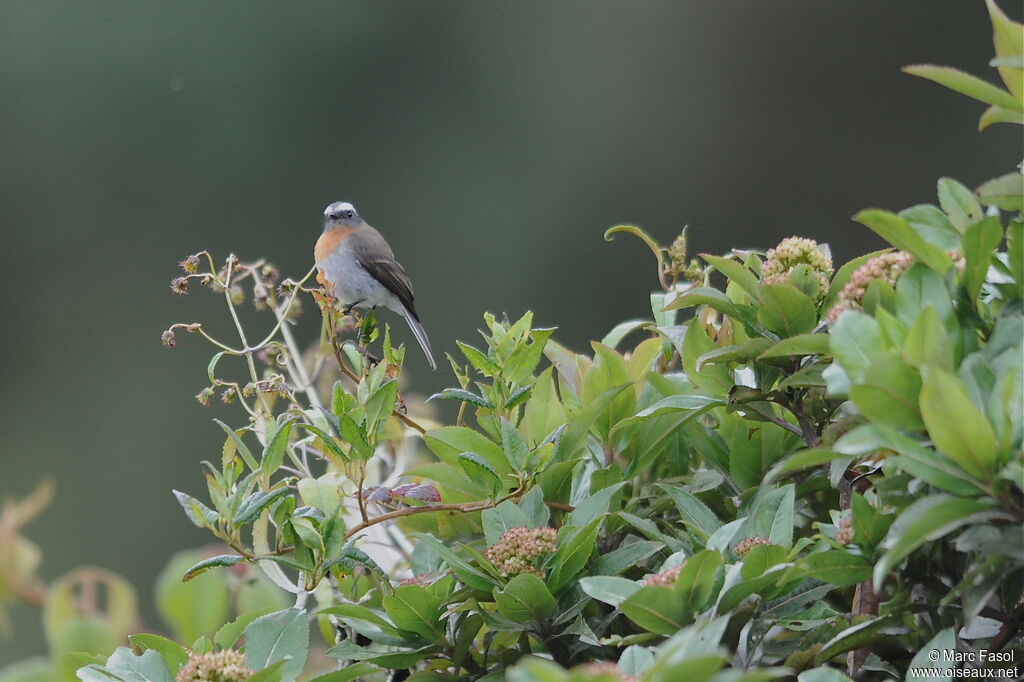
(526, 598)
(124, 666)
(933, 226)
(280, 636)
(448, 442)
(836, 567)
(415, 609)
(927, 519)
(927, 343)
(843, 274)
(174, 654)
(956, 426)
(802, 344)
(348, 673)
(625, 557)
(198, 513)
(257, 502)
(945, 640)
(739, 353)
(713, 298)
(919, 288)
(694, 513)
(803, 459)
(476, 467)
(1006, 192)
(466, 572)
(575, 434)
(657, 609)
(273, 453)
(696, 581)
(1008, 39)
(499, 519)
(855, 341)
(959, 203)
(737, 272)
(240, 446)
(980, 242)
(716, 379)
(229, 633)
(855, 637)
(620, 331)
(888, 394)
(996, 114)
(379, 406)
(786, 311)
(385, 657)
(464, 396)
(207, 564)
(900, 234)
(608, 370)
(513, 445)
(966, 84)
(608, 589)
(479, 360)
(914, 458)
(572, 550)
(544, 412)
(592, 507)
(772, 517)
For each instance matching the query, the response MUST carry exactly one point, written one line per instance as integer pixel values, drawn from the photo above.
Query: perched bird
(359, 268)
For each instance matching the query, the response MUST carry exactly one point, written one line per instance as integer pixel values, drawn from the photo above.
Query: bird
(357, 266)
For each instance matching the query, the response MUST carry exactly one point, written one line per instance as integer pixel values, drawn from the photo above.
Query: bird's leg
(347, 309)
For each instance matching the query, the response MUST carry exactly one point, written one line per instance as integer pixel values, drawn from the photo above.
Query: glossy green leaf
(174, 654)
(786, 311)
(737, 272)
(956, 426)
(927, 519)
(526, 598)
(979, 245)
(229, 633)
(900, 234)
(657, 609)
(212, 562)
(609, 589)
(415, 609)
(802, 344)
(933, 225)
(888, 393)
(966, 84)
(855, 342)
(1005, 192)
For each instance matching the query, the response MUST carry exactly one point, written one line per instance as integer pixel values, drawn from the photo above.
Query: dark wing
(374, 254)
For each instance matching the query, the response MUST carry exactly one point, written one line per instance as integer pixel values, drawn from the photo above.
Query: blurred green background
(492, 143)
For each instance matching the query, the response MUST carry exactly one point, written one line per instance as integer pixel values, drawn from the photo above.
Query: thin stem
(464, 507)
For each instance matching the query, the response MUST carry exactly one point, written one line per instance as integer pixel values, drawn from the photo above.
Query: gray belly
(353, 284)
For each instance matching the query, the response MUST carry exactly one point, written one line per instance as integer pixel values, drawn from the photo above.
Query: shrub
(784, 469)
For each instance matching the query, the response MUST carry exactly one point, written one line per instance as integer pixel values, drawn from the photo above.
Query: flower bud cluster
(517, 547)
(219, 666)
(747, 544)
(792, 252)
(666, 578)
(888, 267)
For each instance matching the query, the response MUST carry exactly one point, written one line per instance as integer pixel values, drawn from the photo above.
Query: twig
(464, 507)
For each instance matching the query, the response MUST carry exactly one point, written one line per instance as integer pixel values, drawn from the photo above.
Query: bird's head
(341, 214)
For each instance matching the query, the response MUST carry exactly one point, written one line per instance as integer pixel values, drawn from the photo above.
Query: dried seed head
(179, 286)
(190, 264)
(167, 338)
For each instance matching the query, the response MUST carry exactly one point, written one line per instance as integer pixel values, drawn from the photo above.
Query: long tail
(421, 335)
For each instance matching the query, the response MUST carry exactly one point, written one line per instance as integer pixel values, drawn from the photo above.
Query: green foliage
(783, 470)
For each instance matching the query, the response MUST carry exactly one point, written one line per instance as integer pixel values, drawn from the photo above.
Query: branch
(464, 508)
